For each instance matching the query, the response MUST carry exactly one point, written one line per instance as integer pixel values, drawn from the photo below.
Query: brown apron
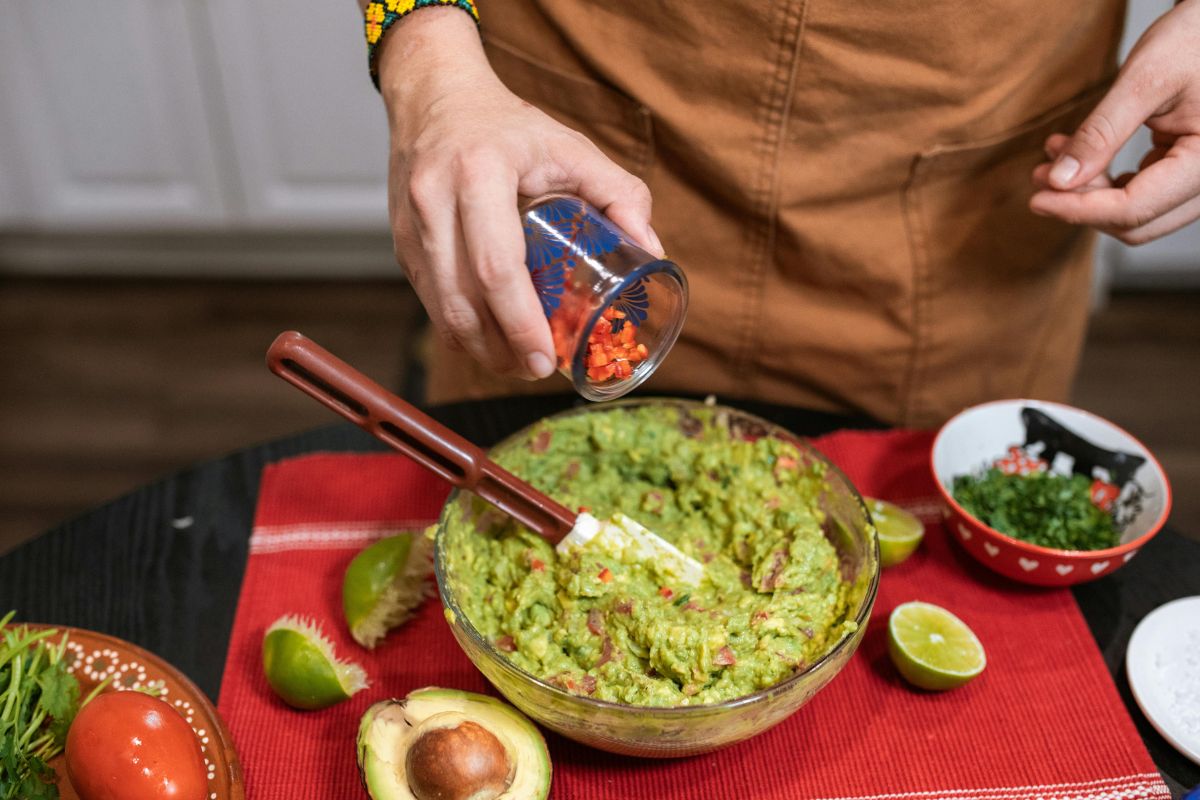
(845, 185)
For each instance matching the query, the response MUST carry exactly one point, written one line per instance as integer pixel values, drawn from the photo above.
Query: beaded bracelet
(382, 14)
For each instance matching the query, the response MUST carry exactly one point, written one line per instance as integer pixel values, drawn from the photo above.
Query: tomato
(131, 746)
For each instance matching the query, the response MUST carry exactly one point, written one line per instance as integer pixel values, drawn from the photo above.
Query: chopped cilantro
(1040, 508)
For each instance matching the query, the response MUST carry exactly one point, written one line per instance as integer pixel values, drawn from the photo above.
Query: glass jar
(614, 310)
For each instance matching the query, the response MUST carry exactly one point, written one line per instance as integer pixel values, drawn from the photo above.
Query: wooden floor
(108, 385)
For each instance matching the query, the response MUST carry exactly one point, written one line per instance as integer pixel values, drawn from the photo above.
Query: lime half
(932, 648)
(385, 584)
(899, 531)
(302, 669)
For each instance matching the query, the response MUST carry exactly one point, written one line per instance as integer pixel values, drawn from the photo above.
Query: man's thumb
(1095, 143)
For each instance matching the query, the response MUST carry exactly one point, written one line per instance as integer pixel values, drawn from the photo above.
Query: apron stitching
(745, 316)
(761, 236)
(918, 236)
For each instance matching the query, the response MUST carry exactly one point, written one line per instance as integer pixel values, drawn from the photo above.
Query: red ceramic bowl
(1068, 440)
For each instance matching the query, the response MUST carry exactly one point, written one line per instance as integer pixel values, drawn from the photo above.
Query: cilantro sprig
(38, 701)
(1041, 508)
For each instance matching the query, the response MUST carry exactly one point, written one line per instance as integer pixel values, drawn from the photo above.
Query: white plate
(1163, 664)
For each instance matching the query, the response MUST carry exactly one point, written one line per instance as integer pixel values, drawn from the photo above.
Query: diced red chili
(537, 565)
(605, 575)
(1104, 495)
(601, 374)
(613, 353)
(665, 592)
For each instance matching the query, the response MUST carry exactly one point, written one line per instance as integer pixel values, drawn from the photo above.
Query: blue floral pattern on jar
(558, 232)
(634, 302)
(594, 237)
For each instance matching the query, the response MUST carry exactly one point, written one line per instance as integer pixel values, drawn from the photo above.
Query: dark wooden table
(162, 566)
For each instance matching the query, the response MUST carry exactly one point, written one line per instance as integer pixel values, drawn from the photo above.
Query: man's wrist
(380, 17)
(423, 56)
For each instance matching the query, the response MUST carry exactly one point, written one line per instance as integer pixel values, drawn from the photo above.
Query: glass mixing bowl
(688, 730)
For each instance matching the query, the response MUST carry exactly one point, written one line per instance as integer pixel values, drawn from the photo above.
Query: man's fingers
(1163, 140)
(446, 285)
(1163, 186)
(622, 197)
(1054, 145)
(1128, 104)
(1041, 179)
(1154, 155)
(495, 248)
(1170, 222)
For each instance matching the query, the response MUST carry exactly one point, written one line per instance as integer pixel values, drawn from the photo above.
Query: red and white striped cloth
(1043, 721)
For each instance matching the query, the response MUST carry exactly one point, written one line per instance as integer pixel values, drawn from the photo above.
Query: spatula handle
(325, 377)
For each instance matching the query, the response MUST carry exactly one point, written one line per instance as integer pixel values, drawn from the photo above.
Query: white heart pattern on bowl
(991, 548)
(1027, 564)
(964, 532)
(1064, 569)
(1125, 558)
(1099, 567)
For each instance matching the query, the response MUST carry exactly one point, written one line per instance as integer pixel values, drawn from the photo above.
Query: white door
(308, 129)
(104, 117)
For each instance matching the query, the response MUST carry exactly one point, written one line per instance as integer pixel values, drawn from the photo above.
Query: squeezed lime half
(385, 584)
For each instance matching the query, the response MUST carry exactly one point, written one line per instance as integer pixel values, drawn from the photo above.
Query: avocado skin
(381, 743)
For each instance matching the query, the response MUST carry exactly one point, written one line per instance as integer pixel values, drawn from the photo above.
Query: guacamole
(604, 625)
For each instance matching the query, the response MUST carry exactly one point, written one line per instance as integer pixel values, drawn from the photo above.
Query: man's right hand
(463, 148)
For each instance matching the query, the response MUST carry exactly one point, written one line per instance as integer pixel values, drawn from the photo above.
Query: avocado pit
(451, 758)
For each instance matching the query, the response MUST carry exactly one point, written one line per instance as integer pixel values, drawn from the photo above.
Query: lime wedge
(932, 648)
(384, 585)
(899, 531)
(302, 669)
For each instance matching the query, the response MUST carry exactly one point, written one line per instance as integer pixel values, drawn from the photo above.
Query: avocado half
(434, 727)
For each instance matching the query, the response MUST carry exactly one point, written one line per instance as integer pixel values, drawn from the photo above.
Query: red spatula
(318, 373)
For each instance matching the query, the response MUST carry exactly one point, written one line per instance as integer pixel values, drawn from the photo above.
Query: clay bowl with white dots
(91, 657)
(1126, 480)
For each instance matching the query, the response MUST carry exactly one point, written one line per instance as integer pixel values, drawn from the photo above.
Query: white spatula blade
(621, 534)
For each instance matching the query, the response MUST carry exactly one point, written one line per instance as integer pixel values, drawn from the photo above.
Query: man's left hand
(1158, 86)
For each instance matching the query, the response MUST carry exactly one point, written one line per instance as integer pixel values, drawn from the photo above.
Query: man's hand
(463, 148)
(1158, 86)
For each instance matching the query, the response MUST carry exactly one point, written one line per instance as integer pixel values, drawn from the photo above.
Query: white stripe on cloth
(1143, 786)
(333, 536)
